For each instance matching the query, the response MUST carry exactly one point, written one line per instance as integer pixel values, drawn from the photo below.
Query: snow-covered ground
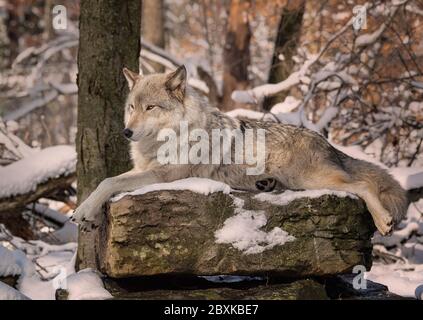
(405, 248)
(43, 268)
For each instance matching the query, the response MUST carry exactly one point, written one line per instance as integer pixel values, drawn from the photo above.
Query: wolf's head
(154, 102)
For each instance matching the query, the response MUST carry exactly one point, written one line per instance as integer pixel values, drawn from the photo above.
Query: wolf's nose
(127, 133)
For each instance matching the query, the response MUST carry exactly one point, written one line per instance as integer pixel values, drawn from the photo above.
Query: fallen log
(42, 190)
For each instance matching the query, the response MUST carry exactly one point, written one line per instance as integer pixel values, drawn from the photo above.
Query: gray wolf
(296, 158)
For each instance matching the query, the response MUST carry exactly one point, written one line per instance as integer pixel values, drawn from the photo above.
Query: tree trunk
(109, 40)
(48, 26)
(4, 41)
(236, 54)
(153, 29)
(285, 48)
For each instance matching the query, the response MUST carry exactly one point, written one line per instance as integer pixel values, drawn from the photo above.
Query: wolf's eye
(150, 107)
(131, 107)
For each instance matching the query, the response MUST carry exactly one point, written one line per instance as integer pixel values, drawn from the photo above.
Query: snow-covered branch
(33, 81)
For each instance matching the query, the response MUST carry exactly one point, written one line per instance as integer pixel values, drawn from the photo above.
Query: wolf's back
(392, 196)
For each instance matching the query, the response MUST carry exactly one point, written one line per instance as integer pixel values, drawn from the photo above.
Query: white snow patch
(243, 97)
(61, 274)
(369, 38)
(289, 104)
(250, 114)
(41, 267)
(8, 265)
(406, 281)
(243, 232)
(58, 264)
(197, 185)
(293, 118)
(30, 283)
(405, 277)
(9, 293)
(69, 230)
(258, 93)
(86, 285)
(24, 175)
(287, 196)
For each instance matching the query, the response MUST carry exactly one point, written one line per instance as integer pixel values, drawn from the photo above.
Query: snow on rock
(197, 185)
(8, 264)
(86, 285)
(287, 196)
(243, 232)
(24, 175)
(9, 293)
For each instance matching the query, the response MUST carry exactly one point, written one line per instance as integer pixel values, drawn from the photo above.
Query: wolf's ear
(176, 83)
(131, 77)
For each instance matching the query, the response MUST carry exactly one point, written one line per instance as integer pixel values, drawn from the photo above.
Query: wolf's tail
(392, 196)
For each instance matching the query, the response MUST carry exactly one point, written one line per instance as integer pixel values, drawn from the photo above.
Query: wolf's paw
(385, 225)
(87, 216)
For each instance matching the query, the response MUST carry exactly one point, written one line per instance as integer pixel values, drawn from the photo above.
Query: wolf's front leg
(88, 214)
